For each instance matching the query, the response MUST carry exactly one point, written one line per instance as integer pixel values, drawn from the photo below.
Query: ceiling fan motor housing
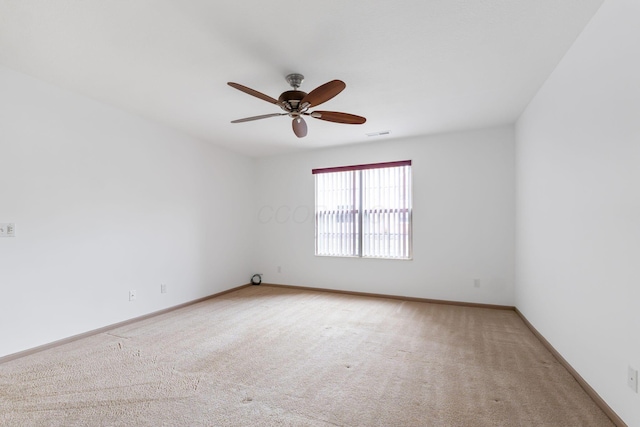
(289, 101)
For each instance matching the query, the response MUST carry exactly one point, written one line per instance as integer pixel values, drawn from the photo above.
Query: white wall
(105, 202)
(578, 206)
(463, 219)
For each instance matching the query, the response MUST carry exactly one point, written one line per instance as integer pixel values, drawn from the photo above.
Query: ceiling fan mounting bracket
(295, 80)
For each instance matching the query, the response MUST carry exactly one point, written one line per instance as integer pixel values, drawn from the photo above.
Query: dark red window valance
(362, 167)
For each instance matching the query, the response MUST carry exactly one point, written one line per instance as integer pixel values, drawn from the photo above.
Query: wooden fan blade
(252, 92)
(299, 127)
(323, 93)
(334, 116)
(264, 116)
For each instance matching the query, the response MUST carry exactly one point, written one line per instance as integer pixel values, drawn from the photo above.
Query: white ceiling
(412, 67)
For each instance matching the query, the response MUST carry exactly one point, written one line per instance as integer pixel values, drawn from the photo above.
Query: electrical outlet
(476, 283)
(7, 229)
(632, 379)
(163, 288)
(132, 295)
(279, 269)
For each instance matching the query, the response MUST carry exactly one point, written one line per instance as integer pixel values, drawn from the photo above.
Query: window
(364, 210)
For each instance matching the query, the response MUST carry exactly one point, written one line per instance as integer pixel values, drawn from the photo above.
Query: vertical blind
(364, 210)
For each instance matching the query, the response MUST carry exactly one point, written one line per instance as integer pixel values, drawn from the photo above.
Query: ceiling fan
(296, 104)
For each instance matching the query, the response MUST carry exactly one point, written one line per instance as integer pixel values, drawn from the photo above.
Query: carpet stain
(111, 334)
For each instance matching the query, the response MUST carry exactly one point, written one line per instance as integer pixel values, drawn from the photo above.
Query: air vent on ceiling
(384, 132)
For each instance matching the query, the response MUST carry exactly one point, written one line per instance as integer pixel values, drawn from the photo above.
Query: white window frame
(364, 211)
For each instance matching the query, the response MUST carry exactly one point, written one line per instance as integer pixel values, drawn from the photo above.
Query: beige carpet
(265, 356)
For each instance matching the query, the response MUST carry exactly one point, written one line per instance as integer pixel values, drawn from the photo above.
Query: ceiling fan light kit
(296, 103)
